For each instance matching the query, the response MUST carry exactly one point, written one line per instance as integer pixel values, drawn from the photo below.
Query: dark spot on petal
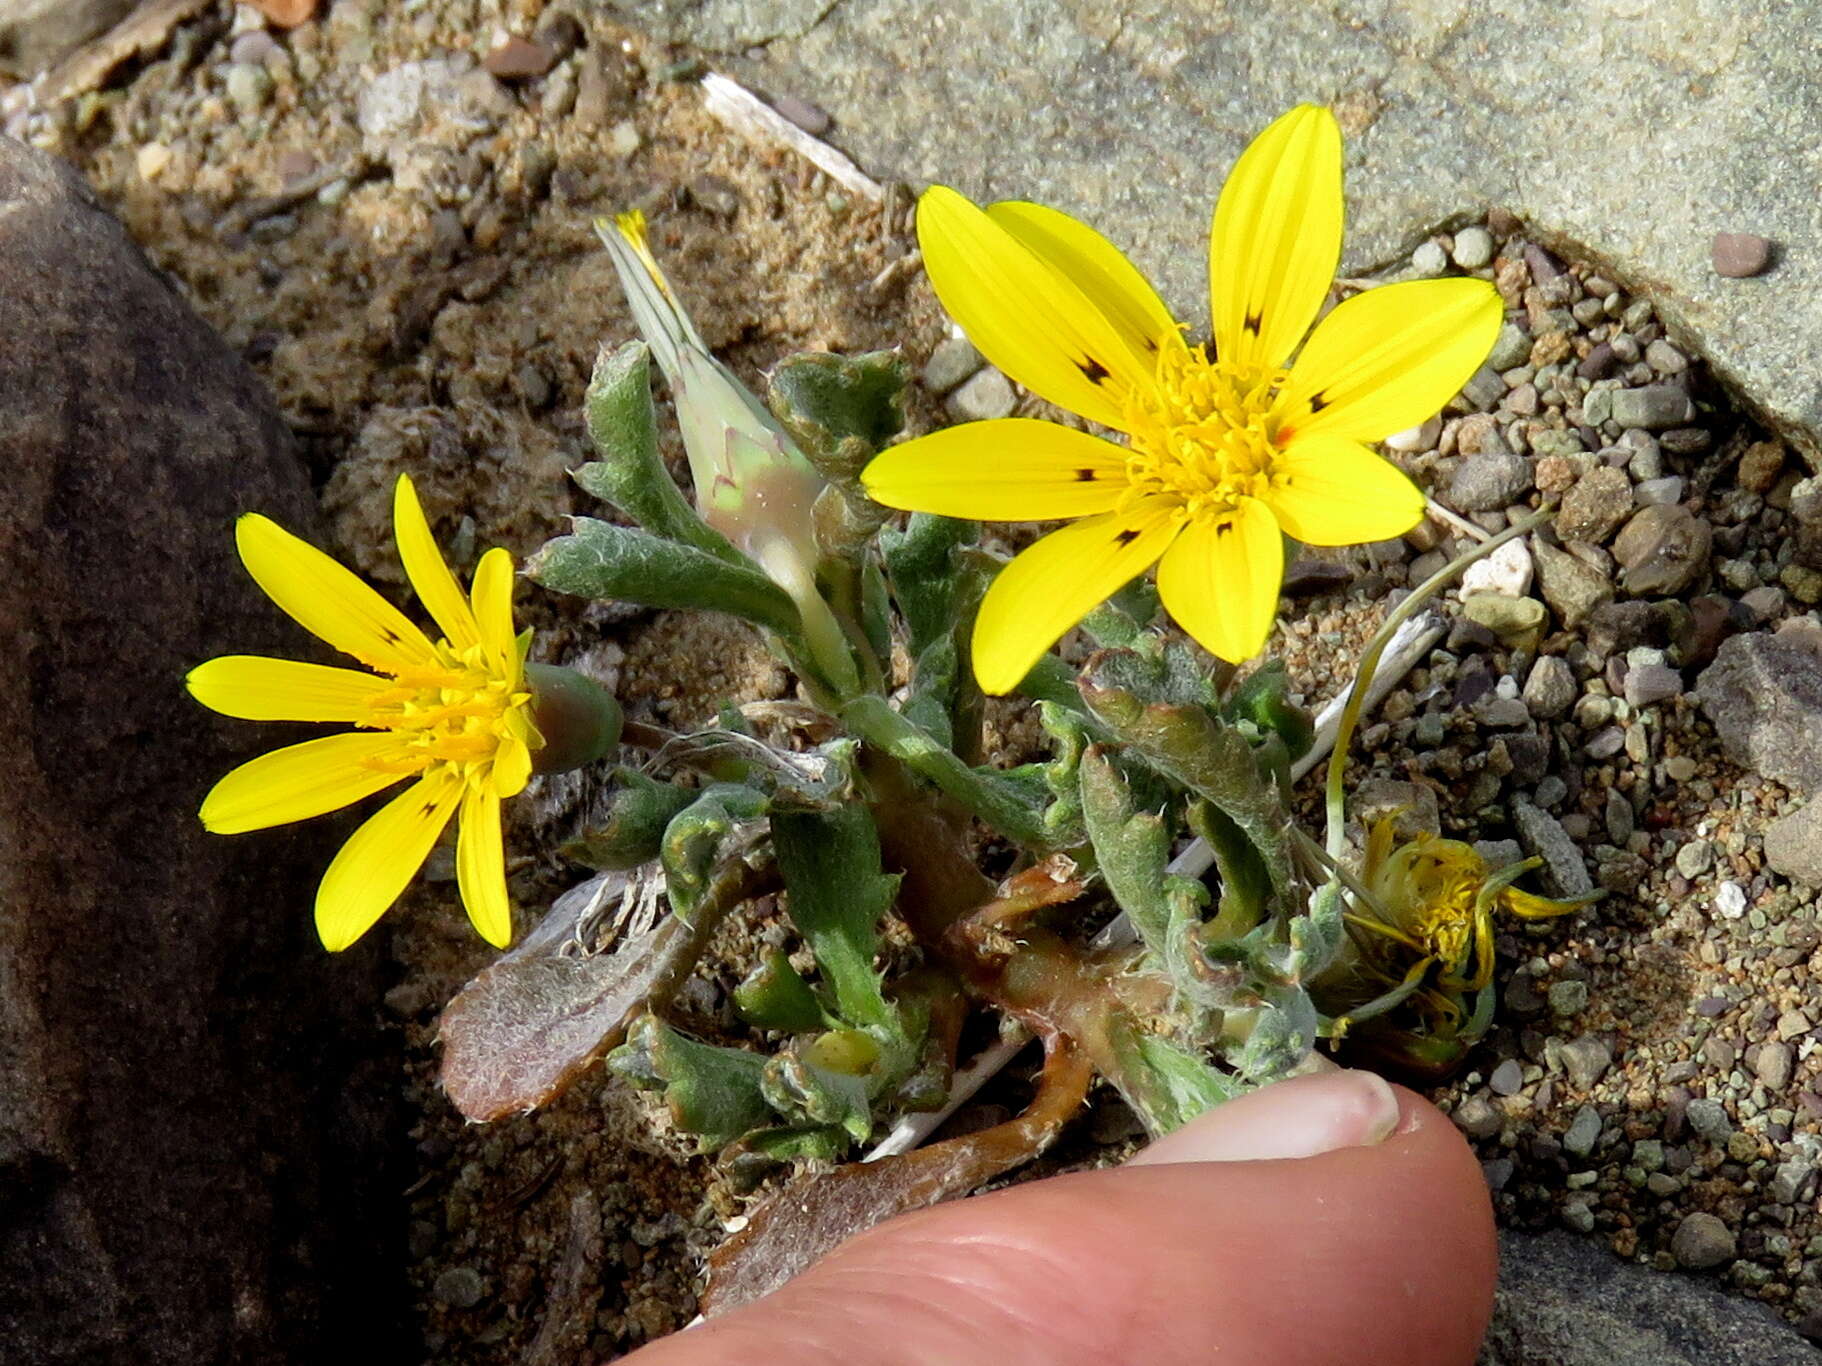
(1084, 476)
(1209, 352)
(1318, 401)
(1092, 370)
(1223, 528)
(391, 636)
(1125, 538)
(1252, 323)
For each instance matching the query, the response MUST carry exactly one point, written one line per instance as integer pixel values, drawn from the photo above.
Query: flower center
(1203, 433)
(457, 711)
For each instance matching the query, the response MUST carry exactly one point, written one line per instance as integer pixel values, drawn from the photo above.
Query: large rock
(36, 33)
(1763, 695)
(188, 1138)
(1130, 113)
(1563, 1301)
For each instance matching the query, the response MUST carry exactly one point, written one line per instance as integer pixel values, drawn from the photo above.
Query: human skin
(1327, 1219)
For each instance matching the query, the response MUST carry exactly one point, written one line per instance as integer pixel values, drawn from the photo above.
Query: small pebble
(1740, 255)
(988, 394)
(1659, 492)
(1695, 858)
(1709, 1120)
(1508, 1078)
(1473, 248)
(1653, 407)
(1702, 1242)
(1585, 1061)
(517, 59)
(253, 48)
(1477, 1117)
(249, 87)
(1584, 1132)
(1429, 259)
(151, 160)
(1568, 998)
(953, 360)
(1550, 687)
(459, 1287)
(812, 119)
(1730, 901)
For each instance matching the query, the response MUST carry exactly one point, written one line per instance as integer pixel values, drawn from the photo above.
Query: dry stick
(756, 121)
(1412, 643)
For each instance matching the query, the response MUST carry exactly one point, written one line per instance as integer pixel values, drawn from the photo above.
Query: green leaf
(712, 1092)
(606, 562)
(1246, 885)
(1186, 742)
(803, 1091)
(693, 839)
(1283, 1033)
(631, 474)
(1131, 847)
(632, 831)
(774, 996)
(841, 410)
(1261, 699)
(1167, 1084)
(836, 897)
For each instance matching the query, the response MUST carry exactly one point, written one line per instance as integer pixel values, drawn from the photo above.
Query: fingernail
(1296, 1118)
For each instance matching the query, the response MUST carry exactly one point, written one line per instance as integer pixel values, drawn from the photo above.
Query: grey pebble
(459, 1287)
(1659, 492)
(1648, 1155)
(1490, 481)
(1695, 858)
(253, 47)
(1774, 1064)
(1585, 1061)
(1605, 743)
(1584, 1131)
(950, 363)
(1498, 1171)
(1550, 687)
(1661, 356)
(988, 394)
(1542, 834)
(1702, 1241)
(813, 119)
(1709, 1120)
(249, 87)
(1654, 407)
(1485, 388)
(1788, 1181)
(1508, 1078)
(1477, 1117)
(1568, 998)
(1652, 684)
(1512, 347)
(1618, 819)
(1577, 1215)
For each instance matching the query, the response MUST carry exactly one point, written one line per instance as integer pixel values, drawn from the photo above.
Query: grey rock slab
(1128, 115)
(1763, 695)
(36, 34)
(1565, 1301)
(192, 1163)
(1793, 845)
(1564, 872)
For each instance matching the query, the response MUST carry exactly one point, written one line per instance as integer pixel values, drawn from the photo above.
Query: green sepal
(693, 838)
(1261, 699)
(712, 1092)
(632, 832)
(615, 563)
(775, 996)
(579, 719)
(623, 425)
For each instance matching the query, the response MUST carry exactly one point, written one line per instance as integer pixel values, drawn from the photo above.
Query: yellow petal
(256, 688)
(1025, 318)
(1220, 580)
(493, 584)
(326, 599)
(1389, 359)
(1096, 267)
(1326, 490)
(301, 781)
(1276, 239)
(381, 857)
(511, 765)
(1053, 584)
(1014, 469)
(481, 866)
(424, 566)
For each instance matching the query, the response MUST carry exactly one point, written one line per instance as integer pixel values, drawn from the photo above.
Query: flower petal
(1028, 320)
(492, 591)
(1276, 239)
(1326, 490)
(326, 599)
(1389, 359)
(301, 781)
(481, 866)
(1220, 580)
(1014, 469)
(1096, 267)
(1052, 585)
(425, 567)
(380, 858)
(511, 764)
(256, 688)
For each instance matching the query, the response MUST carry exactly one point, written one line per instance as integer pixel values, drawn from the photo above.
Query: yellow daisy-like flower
(452, 713)
(1223, 451)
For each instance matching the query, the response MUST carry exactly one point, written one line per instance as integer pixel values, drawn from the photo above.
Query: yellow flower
(1224, 450)
(453, 714)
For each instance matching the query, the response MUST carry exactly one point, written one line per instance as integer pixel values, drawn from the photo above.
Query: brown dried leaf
(810, 1217)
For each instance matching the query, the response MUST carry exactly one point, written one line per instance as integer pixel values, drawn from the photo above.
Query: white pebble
(1730, 900)
(1429, 260)
(1473, 248)
(1507, 571)
(1419, 438)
